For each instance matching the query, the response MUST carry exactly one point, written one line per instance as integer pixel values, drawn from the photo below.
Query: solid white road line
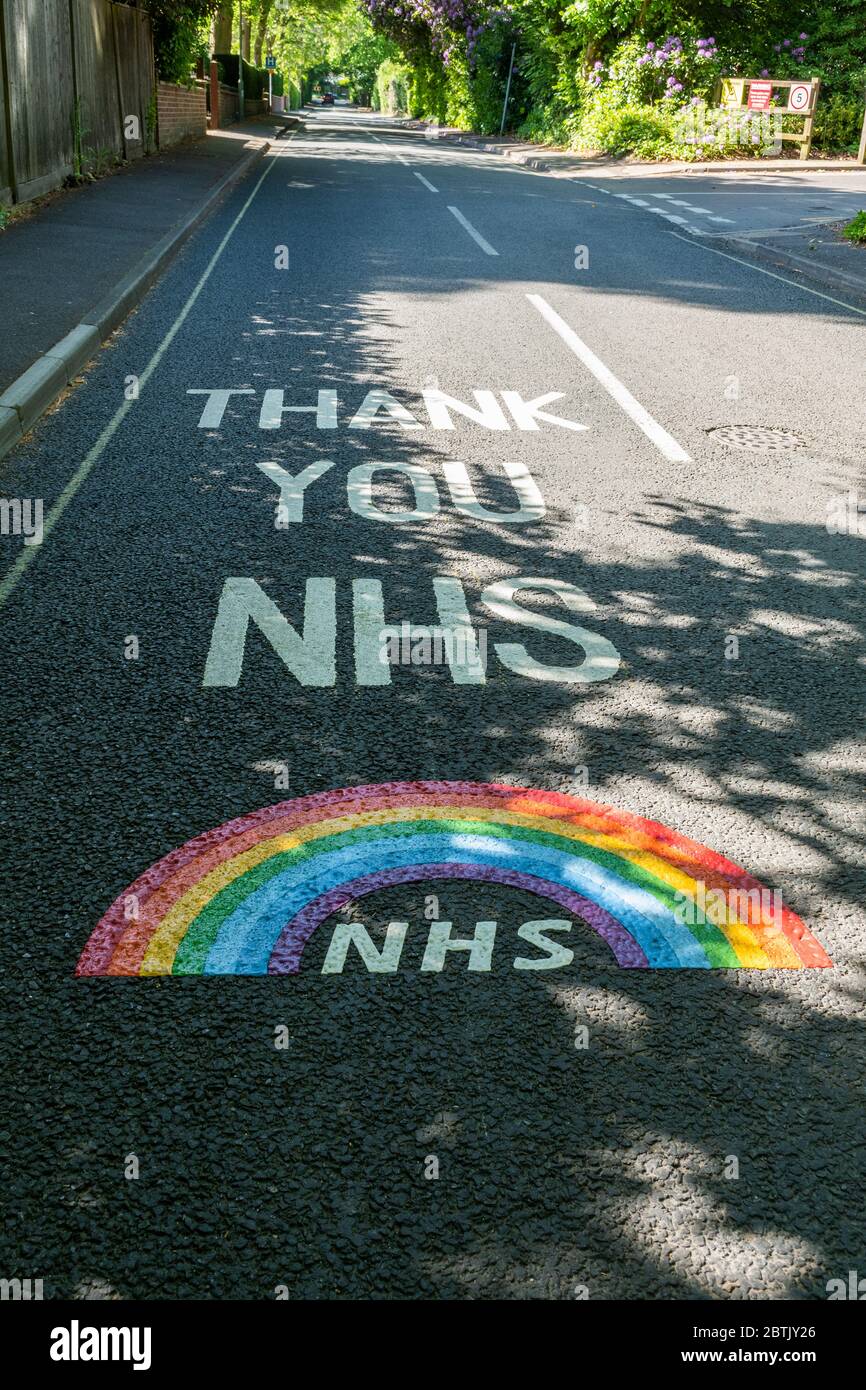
(29, 553)
(663, 441)
(476, 236)
(773, 276)
(426, 182)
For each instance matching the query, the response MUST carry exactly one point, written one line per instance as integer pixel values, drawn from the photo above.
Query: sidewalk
(74, 268)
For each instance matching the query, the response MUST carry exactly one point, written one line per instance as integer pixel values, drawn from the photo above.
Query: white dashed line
(659, 212)
(691, 207)
(663, 441)
(426, 182)
(476, 236)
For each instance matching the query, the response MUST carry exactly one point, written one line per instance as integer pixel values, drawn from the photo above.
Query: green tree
(179, 34)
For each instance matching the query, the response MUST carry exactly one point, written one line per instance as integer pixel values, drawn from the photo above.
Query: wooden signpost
(756, 94)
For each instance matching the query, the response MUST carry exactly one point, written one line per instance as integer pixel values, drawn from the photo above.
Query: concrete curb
(825, 276)
(529, 160)
(719, 166)
(516, 157)
(34, 391)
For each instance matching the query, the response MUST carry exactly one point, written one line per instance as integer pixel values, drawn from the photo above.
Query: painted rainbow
(245, 898)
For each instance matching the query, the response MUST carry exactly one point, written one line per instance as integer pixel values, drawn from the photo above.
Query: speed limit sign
(800, 97)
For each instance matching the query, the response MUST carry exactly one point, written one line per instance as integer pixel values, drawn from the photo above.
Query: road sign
(732, 91)
(800, 97)
(760, 95)
(802, 100)
(270, 62)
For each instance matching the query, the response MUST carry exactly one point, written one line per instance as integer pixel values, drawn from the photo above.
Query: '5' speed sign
(800, 97)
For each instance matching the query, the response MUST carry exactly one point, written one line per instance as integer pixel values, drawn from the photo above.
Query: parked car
(328, 99)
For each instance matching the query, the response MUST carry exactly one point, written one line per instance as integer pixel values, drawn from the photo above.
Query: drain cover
(756, 438)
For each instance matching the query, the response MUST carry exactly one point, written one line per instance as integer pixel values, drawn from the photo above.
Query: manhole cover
(756, 438)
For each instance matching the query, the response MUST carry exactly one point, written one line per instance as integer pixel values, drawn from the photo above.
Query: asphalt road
(363, 259)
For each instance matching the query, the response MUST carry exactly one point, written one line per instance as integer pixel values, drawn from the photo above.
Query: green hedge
(391, 93)
(255, 79)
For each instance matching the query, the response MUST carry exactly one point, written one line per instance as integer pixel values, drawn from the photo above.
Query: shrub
(391, 92)
(178, 27)
(856, 229)
(619, 130)
(838, 121)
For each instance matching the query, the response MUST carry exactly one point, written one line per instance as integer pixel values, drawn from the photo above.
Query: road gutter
(818, 272)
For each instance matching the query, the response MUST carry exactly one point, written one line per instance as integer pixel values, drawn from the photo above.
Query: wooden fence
(78, 87)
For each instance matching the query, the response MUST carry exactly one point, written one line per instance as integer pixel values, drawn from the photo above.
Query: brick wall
(228, 105)
(181, 113)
